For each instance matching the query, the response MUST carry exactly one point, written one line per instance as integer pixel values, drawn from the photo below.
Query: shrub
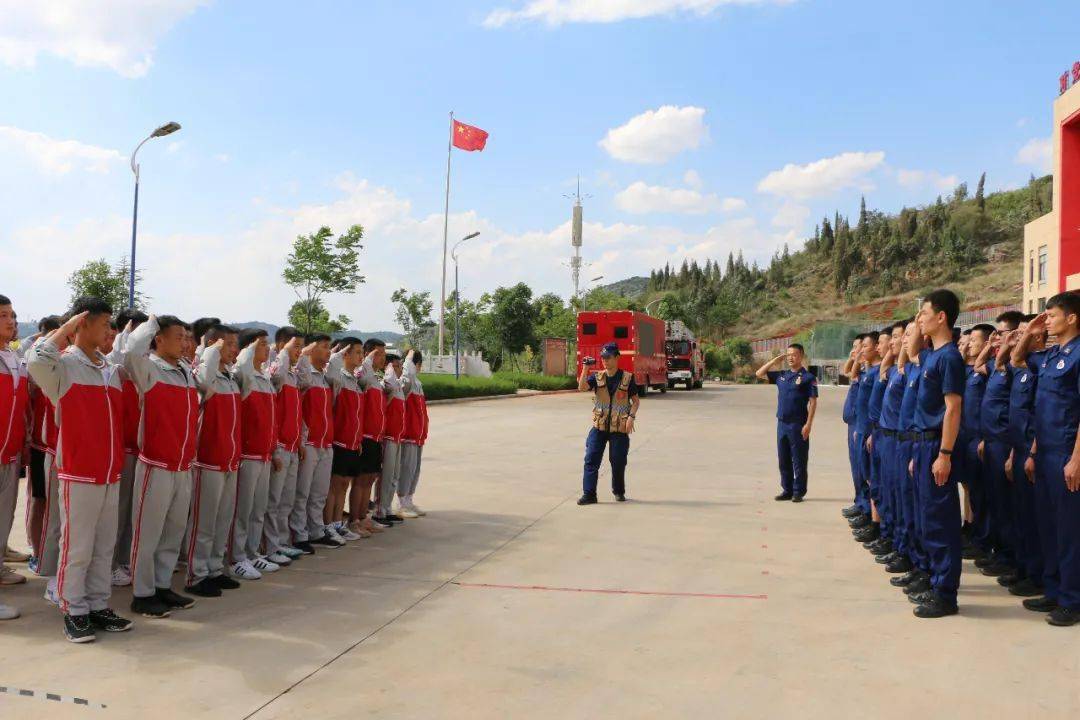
(534, 381)
(443, 387)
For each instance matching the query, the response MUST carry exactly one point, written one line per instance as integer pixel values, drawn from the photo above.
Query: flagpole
(446, 225)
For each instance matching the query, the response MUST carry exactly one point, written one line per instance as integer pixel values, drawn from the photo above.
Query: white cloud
(823, 177)
(58, 157)
(559, 12)
(656, 136)
(640, 198)
(922, 178)
(692, 179)
(791, 215)
(1038, 153)
(120, 35)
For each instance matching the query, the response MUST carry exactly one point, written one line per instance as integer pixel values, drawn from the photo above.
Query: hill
(631, 287)
(867, 271)
(388, 336)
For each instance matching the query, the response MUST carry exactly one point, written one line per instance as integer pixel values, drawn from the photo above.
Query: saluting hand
(941, 469)
(308, 349)
(65, 334)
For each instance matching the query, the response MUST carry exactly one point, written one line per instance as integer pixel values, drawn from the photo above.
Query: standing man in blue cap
(795, 409)
(615, 406)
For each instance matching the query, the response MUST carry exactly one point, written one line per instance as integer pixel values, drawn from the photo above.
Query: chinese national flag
(467, 137)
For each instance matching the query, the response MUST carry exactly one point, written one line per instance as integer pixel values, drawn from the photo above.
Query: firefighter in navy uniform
(615, 406)
(795, 407)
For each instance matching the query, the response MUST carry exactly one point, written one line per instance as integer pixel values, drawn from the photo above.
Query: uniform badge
(1068, 350)
(1061, 364)
(1023, 378)
(798, 379)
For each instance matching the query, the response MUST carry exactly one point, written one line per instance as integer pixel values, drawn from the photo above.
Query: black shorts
(346, 462)
(37, 473)
(371, 457)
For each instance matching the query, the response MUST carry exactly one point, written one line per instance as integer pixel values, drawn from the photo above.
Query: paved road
(701, 598)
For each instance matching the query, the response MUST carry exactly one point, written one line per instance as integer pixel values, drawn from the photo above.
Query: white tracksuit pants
(87, 542)
(123, 526)
(252, 486)
(312, 487)
(409, 476)
(280, 500)
(213, 502)
(388, 482)
(9, 494)
(49, 545)
(159, 512)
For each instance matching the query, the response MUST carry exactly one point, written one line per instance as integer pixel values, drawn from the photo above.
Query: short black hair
(1012, 318)
(316, 338)
(873, 335)
(200, 326)
(985, 328)
(417, 357)
(945, 301)
(792, 346)
(956, 334)
(217, 332)
(250, 335)
(860, 337)
(1029, 317)
(135, 317)
(348, 342)
(49, 323)
(965, 332)
(1069, 302)
(285, 334)
(391, 357)
(900, 324)
(90, 305)
(4, 300)
(372, 343)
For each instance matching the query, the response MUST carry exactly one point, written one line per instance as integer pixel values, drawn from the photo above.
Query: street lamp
(167, 129)
(457, 307)
(651, 304)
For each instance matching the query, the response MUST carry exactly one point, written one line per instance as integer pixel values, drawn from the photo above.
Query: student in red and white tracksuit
(14, 411)
(217, 461)
(167, 438)
(412, 442)
(374, 421)
(258, 440)
(85, 390)
(317, 436)
(393, 432)
(348, 438)
(282, 490)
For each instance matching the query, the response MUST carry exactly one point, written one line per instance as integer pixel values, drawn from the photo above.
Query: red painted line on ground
(601, 591)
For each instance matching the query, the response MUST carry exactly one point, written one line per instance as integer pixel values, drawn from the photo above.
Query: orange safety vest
(610, 415)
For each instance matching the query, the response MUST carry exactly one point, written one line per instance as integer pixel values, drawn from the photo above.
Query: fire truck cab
(640, 339)
(685, 362)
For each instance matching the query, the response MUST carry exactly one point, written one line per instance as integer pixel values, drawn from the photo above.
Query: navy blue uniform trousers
(618, 445)
(1059, 526)
(1026, 540)
(939, 507)
(793, 452)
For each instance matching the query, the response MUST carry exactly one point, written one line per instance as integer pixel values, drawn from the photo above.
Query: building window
(1031, 306)
(1042, 265)
(1031, 267)
(1042, 304)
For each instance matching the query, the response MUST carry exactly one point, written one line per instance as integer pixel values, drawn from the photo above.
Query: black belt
(926, 435)
(888, 433)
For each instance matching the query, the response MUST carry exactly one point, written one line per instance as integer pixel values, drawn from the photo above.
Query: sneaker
(304, 547)
(264, 566)
(587, 499)
(77, 629)
(10, 577)
(416, 508)
(245, 571)
(149, 607)
(174, 600)
(381, 523)
(1026, 588)
(783, 496)
(109, 621)
(1040, 604)
(8, 612)
(204, 588)
(292, 552)
(394, 518)
(279, 558)
(407, 512)
(51, 593)
(347, 534)
(371, 526)
(223, 582)
(120, 577)
(621, 497)
(14, 556)
(32, 564)
(332, 534)
(1063, 617)
(326, 541)
(359, 529)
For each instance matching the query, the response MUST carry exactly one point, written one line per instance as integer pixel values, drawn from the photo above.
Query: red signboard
(1063, 81)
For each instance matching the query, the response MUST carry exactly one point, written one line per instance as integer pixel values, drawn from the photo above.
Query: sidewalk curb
(479, 398)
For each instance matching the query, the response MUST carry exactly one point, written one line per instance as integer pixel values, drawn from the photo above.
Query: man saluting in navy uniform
(616, 405)
(795, 407)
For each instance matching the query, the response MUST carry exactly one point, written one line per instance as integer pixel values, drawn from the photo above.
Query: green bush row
(532, 381)
(442, 387)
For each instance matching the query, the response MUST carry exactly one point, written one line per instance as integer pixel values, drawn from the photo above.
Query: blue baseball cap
(610, 350)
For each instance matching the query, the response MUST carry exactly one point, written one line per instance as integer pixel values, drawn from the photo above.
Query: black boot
(587, 499)
(936, 607)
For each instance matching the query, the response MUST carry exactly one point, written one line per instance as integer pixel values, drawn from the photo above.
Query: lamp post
(651, 304)
(166, 129)
(457, 307)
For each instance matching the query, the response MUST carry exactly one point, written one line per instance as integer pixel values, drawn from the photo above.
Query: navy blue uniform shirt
(912, 376)
(1057, 397)
(942, 374)
(849, 401)
(974, 389)
(1022, 403)
(794, 390)
(877, 395)
(994, 413)
(894, 395)
(862, 406)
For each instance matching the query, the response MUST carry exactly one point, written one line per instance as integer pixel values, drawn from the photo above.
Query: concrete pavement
(699, 598)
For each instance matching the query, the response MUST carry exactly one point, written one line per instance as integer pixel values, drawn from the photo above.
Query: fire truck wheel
(663, 389)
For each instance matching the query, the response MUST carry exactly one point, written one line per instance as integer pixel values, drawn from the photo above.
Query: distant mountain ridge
(631, 287)
(387, 336)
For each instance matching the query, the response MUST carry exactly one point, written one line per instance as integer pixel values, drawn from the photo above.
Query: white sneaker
(346, 533)
(10, 577)
(413, 506)
(50, 592)
(333, 536)
(7, 612)
(407, 512)
(264, 566)
(121, 577)
(244, 570)
(279, 558)
(291, 552)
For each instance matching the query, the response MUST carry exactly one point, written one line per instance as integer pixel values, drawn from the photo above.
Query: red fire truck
(640, 338)
(685, 363)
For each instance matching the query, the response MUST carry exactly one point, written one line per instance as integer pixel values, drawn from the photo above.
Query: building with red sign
(1052, 242)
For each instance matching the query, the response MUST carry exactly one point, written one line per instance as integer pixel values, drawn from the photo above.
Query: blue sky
(698, 126)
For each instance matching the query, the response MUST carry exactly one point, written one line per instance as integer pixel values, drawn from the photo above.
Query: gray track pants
(123, 521)
(280, 500)
(159, 513)
(409, 476)
(9, 494)
(50, 524)
(312, 486)
(87, 542)
(252, 486)
(213, 502)
(388, 482)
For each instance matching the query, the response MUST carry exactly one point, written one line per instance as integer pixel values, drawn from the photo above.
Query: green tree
(980, 197)
(312, 317)
(554, 318)
(513, 318)
(96, 278)
(740, 351)
(413, 313)
(320, 264)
